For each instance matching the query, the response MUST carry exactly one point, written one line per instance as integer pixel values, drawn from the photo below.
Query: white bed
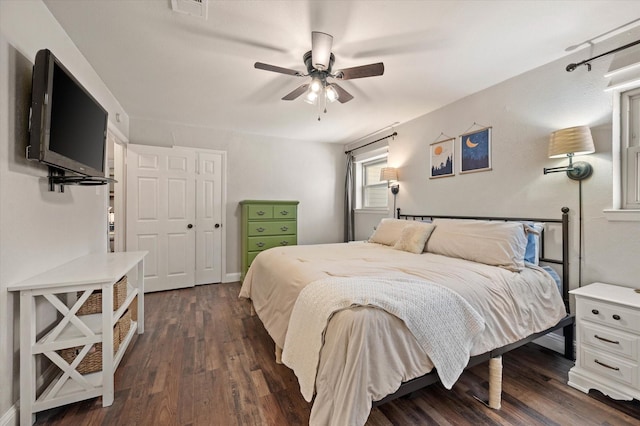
(367, 353)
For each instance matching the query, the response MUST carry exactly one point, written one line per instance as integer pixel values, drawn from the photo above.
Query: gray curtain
(349, 206)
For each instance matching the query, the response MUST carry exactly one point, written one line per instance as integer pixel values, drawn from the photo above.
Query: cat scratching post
(495, 382)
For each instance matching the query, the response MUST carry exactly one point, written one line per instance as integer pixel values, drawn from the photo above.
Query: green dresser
(266, 224)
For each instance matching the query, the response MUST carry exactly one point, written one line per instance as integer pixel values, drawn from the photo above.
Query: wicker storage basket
(92, 362)
(124, 325)
(93, 305)
(133, 307)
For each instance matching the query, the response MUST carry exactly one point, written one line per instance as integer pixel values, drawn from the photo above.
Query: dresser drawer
(250, 256)
(284, 212)
(271, 228)
(260, 212)
(609, 366)
(613, 341)
(609, 314)
(263, 243)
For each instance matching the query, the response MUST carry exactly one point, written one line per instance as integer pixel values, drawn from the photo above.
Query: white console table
(86, 275)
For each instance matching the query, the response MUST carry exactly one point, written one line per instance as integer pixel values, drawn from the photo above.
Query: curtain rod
(572, 67)
(367, 144)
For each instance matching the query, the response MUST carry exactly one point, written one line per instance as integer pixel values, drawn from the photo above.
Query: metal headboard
(564, 221)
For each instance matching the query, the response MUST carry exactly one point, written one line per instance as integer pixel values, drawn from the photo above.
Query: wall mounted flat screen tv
(68, 127)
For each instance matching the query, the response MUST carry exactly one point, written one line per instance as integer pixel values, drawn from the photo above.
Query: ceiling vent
(190, 7)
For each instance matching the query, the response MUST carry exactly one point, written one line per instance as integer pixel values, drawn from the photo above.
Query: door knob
(217, 225)
(189, 226)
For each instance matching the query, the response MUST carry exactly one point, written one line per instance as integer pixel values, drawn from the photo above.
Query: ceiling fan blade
(297, 92)
(321, 49)
(343, 95)
(362, 71)
(267, 67)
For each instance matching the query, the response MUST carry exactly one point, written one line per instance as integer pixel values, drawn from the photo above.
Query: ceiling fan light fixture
(311, 97)
(316, 85)
(331, 93)
(319, 64)
(321, 49)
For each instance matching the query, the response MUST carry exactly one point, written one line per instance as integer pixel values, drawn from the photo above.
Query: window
(374, 191)
(630, 149)
(624, 84)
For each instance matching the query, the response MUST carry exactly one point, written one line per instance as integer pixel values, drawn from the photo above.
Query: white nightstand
(608, 340)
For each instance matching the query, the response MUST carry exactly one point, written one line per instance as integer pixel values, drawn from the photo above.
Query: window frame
(379, 184)
(630, 148)
(623, 175)
(359, 161)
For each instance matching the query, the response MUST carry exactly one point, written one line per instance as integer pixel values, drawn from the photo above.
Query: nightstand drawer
(609, 314)
(609, 366)
(613, 341)
(263, 243)
(271, 228)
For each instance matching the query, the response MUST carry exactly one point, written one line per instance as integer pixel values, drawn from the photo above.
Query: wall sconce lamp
(390, 174)
(569, 143)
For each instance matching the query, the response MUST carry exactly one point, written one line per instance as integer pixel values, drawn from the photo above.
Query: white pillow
(414, 237)
(388, 231)
(490, 242)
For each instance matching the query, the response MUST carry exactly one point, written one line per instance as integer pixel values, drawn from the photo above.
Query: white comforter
(368, 353)
(443, 323)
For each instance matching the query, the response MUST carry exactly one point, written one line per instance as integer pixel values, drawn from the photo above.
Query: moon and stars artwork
(442, 158)
(475, 151)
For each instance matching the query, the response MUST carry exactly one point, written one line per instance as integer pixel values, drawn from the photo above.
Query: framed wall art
(475, 151)
(441, 154)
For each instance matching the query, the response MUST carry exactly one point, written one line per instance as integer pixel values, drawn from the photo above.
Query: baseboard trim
(232, 277)
(10, 418)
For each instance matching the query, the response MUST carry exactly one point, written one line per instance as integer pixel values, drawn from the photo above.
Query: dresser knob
(260, 244)
(284, 212)
(261, 229)
(260, 213)
(595, 311)
(284, 228)
(284, 243)
(616, 317)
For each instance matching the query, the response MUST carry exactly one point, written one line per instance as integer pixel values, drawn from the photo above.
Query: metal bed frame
(566, 324)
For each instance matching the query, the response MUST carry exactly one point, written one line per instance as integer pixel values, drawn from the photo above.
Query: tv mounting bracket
(57, 177)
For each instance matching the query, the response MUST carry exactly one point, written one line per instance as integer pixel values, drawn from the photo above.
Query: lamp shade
(571, 141)
(389, 173)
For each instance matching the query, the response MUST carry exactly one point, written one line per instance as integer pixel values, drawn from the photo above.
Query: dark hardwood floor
(203, 360)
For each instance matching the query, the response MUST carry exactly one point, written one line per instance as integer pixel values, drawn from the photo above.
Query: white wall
(264, 168)
(523, 111)
(38, 229)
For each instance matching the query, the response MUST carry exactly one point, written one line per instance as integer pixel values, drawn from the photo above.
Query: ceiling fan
(319, 62)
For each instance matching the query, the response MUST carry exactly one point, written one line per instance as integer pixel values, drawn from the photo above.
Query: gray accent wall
(523, 111)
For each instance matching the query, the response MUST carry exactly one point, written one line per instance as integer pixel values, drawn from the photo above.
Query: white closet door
(209, 218)
(161, 214)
